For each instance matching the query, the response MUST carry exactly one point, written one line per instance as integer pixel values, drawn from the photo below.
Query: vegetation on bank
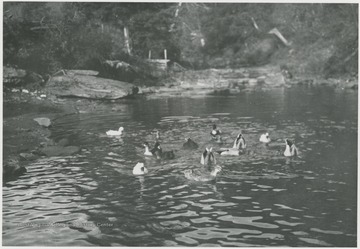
(47, 37)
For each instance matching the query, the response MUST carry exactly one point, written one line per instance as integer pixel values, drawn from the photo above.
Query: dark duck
(160, 154)
(190, 144)
(216, 134)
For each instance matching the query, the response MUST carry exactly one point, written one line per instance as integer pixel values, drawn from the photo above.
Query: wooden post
(276, 32)
(254, 23)
(175, 16)
(177, 9)
(165, 54)
(127, 43)
(149, 54)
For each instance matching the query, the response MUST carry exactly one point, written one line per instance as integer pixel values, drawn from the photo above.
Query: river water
(259, 198)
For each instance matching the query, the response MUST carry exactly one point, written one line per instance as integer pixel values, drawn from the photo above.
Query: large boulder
(75, 84)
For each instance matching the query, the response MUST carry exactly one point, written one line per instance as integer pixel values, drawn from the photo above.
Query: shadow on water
(260, 198)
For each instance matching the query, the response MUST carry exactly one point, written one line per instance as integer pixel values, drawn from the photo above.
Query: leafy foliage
(45, 37)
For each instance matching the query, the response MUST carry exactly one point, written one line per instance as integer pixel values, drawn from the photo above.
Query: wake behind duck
(208, 172)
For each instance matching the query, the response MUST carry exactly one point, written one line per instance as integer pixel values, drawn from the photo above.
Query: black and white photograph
(179, 124)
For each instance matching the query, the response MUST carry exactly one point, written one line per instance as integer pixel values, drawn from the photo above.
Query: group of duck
(209, 170)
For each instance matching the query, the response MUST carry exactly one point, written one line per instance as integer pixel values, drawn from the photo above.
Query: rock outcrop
(81, 84)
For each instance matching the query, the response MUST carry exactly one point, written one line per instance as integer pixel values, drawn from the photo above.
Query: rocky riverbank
(232, 81)
(74, 92)
(32, 106)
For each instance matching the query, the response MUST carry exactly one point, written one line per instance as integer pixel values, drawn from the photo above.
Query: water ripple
(248, 221)
(259, 198)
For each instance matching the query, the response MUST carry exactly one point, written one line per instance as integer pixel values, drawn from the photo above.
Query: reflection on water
(259, 199)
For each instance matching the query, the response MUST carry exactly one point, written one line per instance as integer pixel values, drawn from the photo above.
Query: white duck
(115, 133)
(290, 149)
(140, 169)
(264, 138)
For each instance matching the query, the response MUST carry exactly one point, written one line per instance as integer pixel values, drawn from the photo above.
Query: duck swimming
(115, 133)
(160, 154)
(264, 138)
(140, 169)
(229, 152)
(208, 159)
(190, 144)
(202, 176)
(239, 144)
(147, 149)
(218, 139)
(157, 135)
(215, 132)
(290, 149)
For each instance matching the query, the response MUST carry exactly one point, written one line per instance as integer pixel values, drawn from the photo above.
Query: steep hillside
(320, 40)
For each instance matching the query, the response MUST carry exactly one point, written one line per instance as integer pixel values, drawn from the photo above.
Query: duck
(157, 135)
(115, 133)
(139, 169)
(229, 152)
(208, 159)
(190, 144)
(202, 176)
(215, 132)
(218, 139)
(160, 154)
(239, 142)
(264, 138)
(147, 149)
(290, 149)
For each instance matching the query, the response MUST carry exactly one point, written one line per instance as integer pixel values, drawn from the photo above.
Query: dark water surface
(259, 199)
